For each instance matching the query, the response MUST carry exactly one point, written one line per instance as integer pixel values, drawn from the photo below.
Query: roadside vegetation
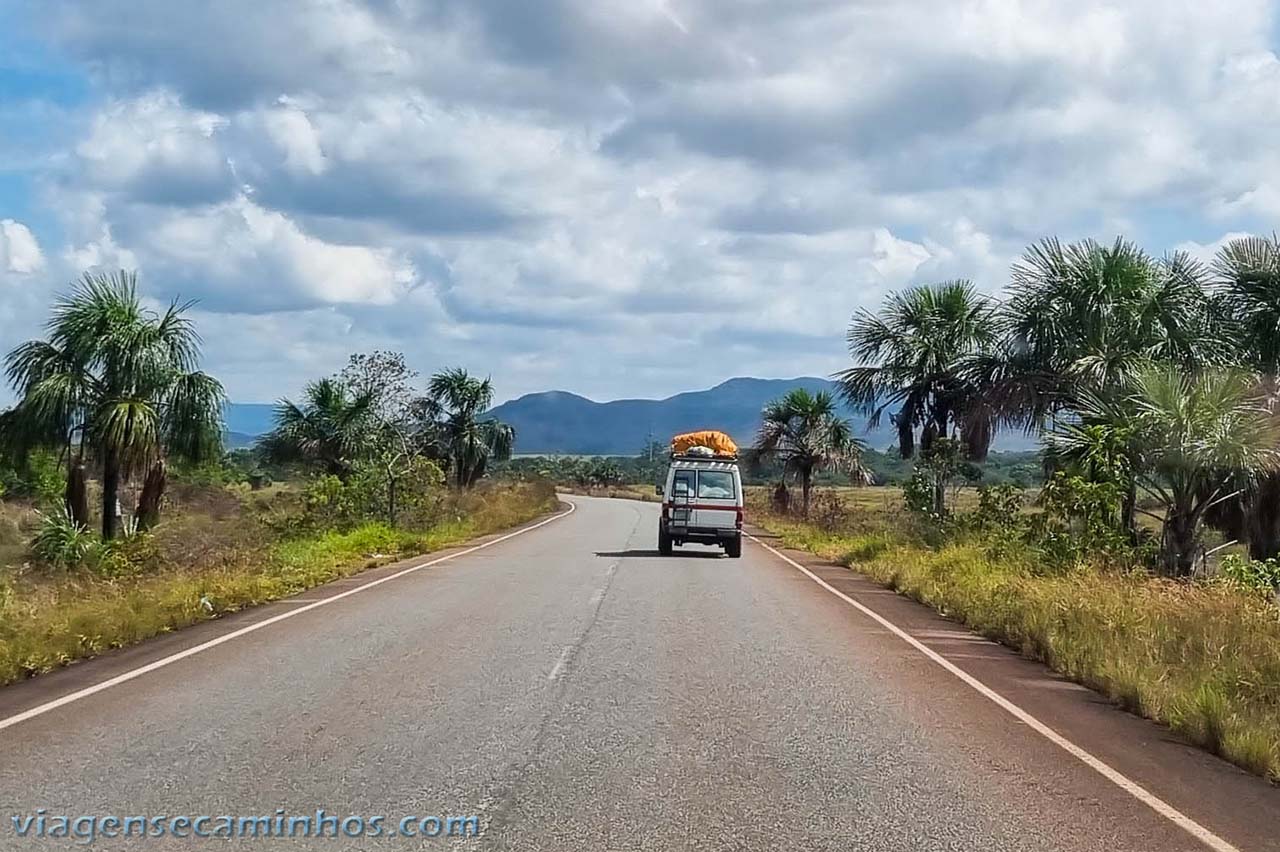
(1147, 563)
(121, 517)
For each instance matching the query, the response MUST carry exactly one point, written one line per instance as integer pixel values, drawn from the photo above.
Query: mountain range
(560, 422)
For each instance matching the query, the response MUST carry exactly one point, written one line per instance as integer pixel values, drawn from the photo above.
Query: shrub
(331, 503)
(999, 507)
(41, 477)
(419, 493)
(130, 552)
(1261, 574)
(204, 474)
(1000, 521)
(1080, 524)
(61, 542)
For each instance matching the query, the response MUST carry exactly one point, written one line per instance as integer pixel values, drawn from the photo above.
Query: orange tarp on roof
(718, 442)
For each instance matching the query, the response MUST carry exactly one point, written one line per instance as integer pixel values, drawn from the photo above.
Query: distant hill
(560, 422)
(564, 423)
(238, 440)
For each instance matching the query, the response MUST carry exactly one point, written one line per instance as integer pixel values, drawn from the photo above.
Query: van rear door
(716, 500)
(684, 485)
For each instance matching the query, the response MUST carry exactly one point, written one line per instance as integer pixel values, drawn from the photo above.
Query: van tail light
(666, 511)
(738, 522)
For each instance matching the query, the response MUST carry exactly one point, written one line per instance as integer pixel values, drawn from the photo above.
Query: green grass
(1202, 658)
(50, 620)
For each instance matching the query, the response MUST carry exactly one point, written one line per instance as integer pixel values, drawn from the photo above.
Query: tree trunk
(805, 475)
(927, 436)
(1179, 544)
(939, 495)
(147, 514)
(391, 499)
(1129, 511)
(906, 435)
(110, 493)
(781, 499)
(77, 494)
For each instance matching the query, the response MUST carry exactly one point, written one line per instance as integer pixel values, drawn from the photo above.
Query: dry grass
(214, 558)
(1203, 658)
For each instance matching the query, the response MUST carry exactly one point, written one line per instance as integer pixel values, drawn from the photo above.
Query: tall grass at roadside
(1203, 658)
(51, 620)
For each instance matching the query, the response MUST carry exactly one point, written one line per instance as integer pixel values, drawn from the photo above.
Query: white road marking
(597, 598)
(1133, 788)
(559, 667)
(41, 709)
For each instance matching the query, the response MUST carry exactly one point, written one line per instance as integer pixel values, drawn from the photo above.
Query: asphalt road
(576, 691)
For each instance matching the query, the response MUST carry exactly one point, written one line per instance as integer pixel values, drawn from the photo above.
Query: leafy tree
(942, 466)
(330, 428)
(912, 357)
(456, 403)
(1198, 436)
(804, 431)
(398, 439)
(386, 378)
(119, 381)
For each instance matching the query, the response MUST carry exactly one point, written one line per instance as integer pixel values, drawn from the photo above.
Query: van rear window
(715, 484)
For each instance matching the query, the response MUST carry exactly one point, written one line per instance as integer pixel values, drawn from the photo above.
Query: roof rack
(699, 458)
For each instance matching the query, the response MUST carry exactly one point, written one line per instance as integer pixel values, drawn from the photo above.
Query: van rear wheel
(733, 547)
(664, 541)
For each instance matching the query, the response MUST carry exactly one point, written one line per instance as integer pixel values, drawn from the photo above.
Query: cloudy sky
(613, 197)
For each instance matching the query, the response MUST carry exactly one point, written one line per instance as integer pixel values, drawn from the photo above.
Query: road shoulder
(21, 697)
(1240, 807)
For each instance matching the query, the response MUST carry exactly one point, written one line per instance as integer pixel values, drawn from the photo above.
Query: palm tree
(331, 428)
(1247, 287)
(912, 357)
(1247, 296)
(1085, 320)
(1197, 437)
(119, 380)
(804, 431)
(459, 401)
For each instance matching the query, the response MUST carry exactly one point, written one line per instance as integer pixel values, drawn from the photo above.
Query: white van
(701, 502)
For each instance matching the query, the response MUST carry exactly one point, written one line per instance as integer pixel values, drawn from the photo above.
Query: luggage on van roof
(716, 443)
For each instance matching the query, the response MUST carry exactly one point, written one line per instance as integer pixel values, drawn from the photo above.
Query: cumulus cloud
(152, 149)
(239, 255)
(19, 252)
(291, 130)
(558, 193)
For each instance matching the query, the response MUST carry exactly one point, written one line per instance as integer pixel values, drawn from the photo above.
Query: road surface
(575, 691)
